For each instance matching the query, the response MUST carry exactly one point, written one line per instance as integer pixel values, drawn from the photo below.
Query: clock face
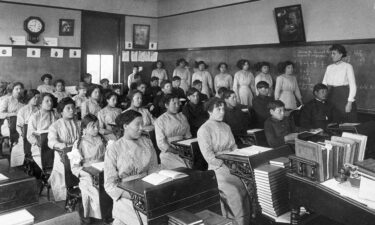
(35, 25)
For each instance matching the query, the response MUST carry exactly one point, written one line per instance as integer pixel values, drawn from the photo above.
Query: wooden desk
(191, 154)
(106, 202)
(326, 202)
(19, 191)
(194, 193)
(243, 167)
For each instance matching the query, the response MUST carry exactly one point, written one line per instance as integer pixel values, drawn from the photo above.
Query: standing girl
(264, 75)
(223, 79)
(205, 77)
(244, 83)
(159, 71)
(184, 73)
(287, 89)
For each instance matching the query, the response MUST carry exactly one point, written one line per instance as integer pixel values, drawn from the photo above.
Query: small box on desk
(304, 168)
(19, 191)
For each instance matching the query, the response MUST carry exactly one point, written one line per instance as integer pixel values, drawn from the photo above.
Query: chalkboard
(311, 63)
(29, 70)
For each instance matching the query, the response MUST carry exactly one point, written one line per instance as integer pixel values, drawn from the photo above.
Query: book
(39, 132)
(187, 142)
(362, 139)
(351, 146)
(163, 176)
(99, 166)
(281, 161)
(253, 131)
(249, 151)
(211, 218)
(20, 217)
(184, 217)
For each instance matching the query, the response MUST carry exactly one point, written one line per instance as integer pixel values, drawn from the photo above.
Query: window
(100, 67)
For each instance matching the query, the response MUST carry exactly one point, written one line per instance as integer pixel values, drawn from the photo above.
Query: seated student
(136, 99)
(236, 116)
(171, 126)
(176, 90)
(220, 92)
(88, 149)
(91, 105)
(122, 102)
(260, 103)
(159, 106)
(104, 84)
(131, 76)
(61, 134)
(279, 128)
(194, 111)
(46, 86)
(214, 138)
(152, 91)
(23, 116)
(107, 116)
(80, 97)
(318, 112)
(197, 84)
(87, 78)
(130, 157)
(142, 87)
(60, 92)
(10, 105)
(40, 120)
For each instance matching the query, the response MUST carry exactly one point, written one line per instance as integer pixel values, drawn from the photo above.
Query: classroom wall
(171, 7)
(129, 7)
(130, 20)
(254, 23)
(28, 70)
(12, 17)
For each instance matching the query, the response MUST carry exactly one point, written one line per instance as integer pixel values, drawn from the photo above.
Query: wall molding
(274, 45)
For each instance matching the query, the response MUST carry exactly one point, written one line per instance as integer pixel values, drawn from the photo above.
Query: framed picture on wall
(141, 36)
(66, 27)
(289, 23)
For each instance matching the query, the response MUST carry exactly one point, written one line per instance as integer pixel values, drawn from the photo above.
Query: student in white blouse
(340, 79)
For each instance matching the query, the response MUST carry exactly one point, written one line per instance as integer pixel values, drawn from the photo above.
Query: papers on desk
(163, 176)
(187, 142)
(99, 166)
(348, 124)
(366, 189)
(3, 177)
(253, 131)
(345, 189)
(21, 217)
(249, 151)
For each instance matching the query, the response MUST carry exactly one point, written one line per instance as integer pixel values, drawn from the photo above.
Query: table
(324, 201)
(243, 167)
(194, 193)
(106, 202)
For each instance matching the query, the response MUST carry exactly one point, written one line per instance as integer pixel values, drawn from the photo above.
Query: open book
(249, 151)
(99, 166)
(163, 176)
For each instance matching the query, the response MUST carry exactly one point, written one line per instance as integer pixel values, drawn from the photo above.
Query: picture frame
(66, 27)
(289, 21)
(141, 36)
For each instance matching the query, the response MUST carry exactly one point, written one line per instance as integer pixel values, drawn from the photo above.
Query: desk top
(185, 142)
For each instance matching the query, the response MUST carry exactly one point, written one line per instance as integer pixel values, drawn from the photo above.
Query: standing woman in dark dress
(340, 79)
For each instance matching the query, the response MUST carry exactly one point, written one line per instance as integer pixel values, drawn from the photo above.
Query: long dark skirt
(338, 97)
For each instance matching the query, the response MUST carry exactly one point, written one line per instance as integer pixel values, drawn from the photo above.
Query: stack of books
(184, 217)
(272, 189)
(280, 162)
(331, 155)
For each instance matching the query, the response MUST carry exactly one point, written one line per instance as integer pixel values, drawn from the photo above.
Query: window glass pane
(93, 67)
(106, 67)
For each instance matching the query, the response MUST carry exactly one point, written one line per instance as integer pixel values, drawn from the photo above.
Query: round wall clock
(34, 26)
